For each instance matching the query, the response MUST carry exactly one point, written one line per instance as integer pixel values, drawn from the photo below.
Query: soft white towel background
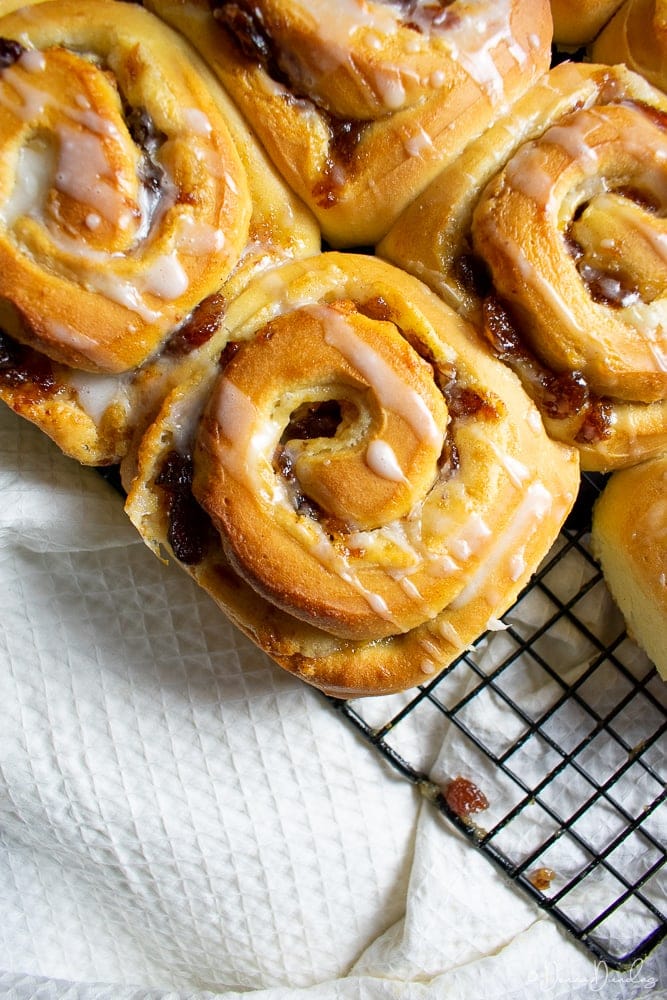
(179, 818)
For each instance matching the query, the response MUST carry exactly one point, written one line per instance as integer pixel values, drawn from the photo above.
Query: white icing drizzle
(535, 505)
(83, 172)
(390, 88)
(33, 61)
(392, 391)
(33, 101)
(525, 173)
(449, 633)
(195, 237)
(196, 121)
(429, 646)
(34, 170)
(322, 548)
(658, 355)
(236, 415)
(124, 293)
(381, 459)
(516, 470)
(418, 142)
(96, 393)
(78, 341)
(517, 566)
(462, 545)
(409, 588)
(473, 40)
(534, 420)
(573, 137)
(165, 277)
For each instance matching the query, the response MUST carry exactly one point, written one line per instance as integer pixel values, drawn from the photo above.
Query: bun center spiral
(327, 433)
(367, 59)
(124, 199)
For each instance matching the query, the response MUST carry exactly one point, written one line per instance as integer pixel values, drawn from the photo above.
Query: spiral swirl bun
(573, 231)
(637, 37)
(131, 192)
(380, 486)
(600, 174)
(112, 229)
(381, 462)
(367, 59)
(550, 235)
(360, 103)
(577, 22)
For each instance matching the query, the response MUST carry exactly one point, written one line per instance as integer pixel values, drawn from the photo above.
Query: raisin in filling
(199, 327)
(605, 287)
(149, 139)
(20, 366)
(245, 25)
(561, 395)
(344, 138)
(312, 420)
(473, 274)
(189, 530)
(10, 52)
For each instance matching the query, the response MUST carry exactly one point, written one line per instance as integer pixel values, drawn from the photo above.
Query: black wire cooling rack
(553, 752)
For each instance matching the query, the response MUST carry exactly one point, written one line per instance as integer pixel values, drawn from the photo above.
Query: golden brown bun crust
(359, 144)
(150, 282)
(381, 595)
(630, 540)
(132, 193)
(557, 214)
(577, 22)
(637, 37)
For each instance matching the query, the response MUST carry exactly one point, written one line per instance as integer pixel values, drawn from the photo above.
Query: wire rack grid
(552, 752)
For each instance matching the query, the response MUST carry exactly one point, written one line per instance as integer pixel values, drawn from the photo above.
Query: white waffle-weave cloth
(181, 819)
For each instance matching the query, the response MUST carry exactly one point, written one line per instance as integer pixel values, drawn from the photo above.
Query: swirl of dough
(577, 22)
(637, 37)
(360, 103)
(123, 200)
(379, 486)
(574, 234)
(549, 235)
(134, 202)
(369, 57)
